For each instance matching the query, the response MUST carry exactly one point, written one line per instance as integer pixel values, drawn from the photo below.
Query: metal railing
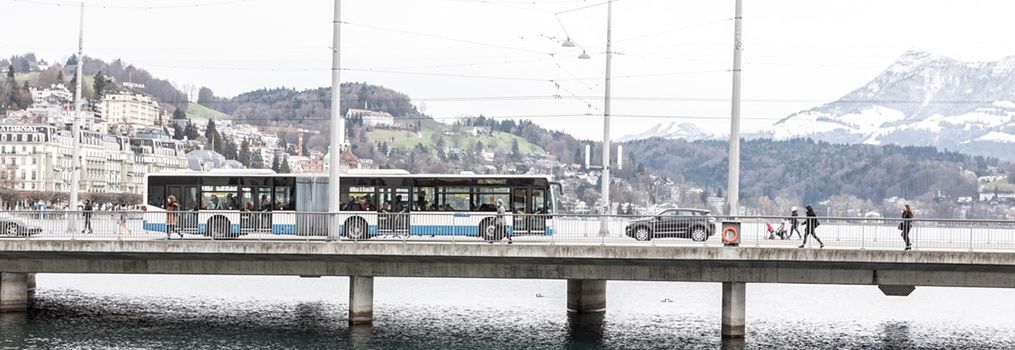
(479, 227)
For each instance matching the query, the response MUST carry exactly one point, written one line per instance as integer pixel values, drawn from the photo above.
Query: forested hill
(310, 108)
(814, 171)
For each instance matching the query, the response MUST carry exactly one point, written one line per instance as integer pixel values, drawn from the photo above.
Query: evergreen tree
(191, 131)
(11, 98)
(282, 144)
(275, 163)
(100, 84)
(178, 132)
(516, 151)
(210, 130)
(229, 149)
(244, 155)
(283, 168)
(256, 161)
(73, 83)
(59, 77)
(179, 114)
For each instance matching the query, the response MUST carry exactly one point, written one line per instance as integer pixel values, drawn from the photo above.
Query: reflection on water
(193, 312)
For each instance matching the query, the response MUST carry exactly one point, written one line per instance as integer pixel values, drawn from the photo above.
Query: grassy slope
(199, 112)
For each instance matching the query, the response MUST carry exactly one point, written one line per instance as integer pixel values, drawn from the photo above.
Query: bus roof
(395, 173)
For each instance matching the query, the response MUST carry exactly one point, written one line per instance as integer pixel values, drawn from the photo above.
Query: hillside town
(127, 133)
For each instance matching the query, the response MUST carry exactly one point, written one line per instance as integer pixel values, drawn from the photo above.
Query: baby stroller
(780, 232)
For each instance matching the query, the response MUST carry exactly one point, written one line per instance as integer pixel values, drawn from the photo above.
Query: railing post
(863, 237)
(970, 237)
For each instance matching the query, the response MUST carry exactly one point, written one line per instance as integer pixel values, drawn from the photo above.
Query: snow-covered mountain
(672, 131)
(921, 100)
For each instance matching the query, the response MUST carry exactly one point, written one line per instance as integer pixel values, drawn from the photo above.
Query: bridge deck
(536, 261)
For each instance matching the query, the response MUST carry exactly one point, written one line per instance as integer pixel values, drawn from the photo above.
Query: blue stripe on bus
(151, 226)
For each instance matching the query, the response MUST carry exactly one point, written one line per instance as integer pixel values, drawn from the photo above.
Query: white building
(130, 110)
(372, 118)
(51, 104)
(39, 158)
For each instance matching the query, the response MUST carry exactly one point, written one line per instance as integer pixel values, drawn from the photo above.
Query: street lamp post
(733, 189)
(604, 229)
(75, 176)
(337, 124)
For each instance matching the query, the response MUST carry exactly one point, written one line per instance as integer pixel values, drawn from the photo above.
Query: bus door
(519, 206)
(393, 205)
(248, 213)
(186, 197)
(538, 205)
(262, 206)
(187, 221)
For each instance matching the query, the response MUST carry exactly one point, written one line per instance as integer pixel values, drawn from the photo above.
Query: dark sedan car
(695, 224)
(17, 227)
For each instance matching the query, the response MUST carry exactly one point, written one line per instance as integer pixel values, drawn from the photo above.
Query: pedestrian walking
(121, 223)
(811, 223)
(87, 213)
(500, 222)
(906, 225)
(794, 223)
(172, 206)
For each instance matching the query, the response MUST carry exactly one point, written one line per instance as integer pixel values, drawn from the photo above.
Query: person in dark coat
(87, 213)
(906, 225)
(794, 223)
(811, 223)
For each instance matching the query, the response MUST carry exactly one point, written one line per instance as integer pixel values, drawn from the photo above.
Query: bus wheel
(488, 230)
(218, 227)
(356, 228)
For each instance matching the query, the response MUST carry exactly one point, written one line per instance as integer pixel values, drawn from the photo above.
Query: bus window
(219, 198)
(423, 199)
(486, 198)
(189, 199)
(358, 198)
(156, 195)
(452, 199)
(284, 199)
(396, 197)
(264, 199)
(518, 198)
(538, 201)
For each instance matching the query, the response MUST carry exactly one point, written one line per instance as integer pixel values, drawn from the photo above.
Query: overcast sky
(504, 57)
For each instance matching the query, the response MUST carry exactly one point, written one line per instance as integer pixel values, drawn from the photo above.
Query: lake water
(242, 312)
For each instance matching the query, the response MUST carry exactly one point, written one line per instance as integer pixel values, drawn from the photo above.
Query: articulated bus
(231, 203)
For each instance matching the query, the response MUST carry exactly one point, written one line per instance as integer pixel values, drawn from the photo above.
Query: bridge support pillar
(734, 304)
(586, 296)
(30, 285)
(13, 292)
(361, 300)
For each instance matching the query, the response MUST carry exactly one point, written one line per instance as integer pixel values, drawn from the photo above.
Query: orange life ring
(727, 239)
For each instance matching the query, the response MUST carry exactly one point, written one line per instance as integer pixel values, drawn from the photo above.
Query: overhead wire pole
(604, 229)
(733, 189)
(75, 175)
(337, 124)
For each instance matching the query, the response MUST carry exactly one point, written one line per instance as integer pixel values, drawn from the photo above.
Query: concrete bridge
(586, 267)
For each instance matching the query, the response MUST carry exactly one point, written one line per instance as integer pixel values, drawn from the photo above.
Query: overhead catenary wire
(75, 4)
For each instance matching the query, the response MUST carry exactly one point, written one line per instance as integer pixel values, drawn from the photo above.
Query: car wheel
(642, 233)
(11, 229)
(698, 234)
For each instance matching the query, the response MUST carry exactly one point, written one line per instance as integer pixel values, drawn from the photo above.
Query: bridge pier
(13, 292)
(30, 285)
(586, 296)
(734, 304)
(361, 300)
